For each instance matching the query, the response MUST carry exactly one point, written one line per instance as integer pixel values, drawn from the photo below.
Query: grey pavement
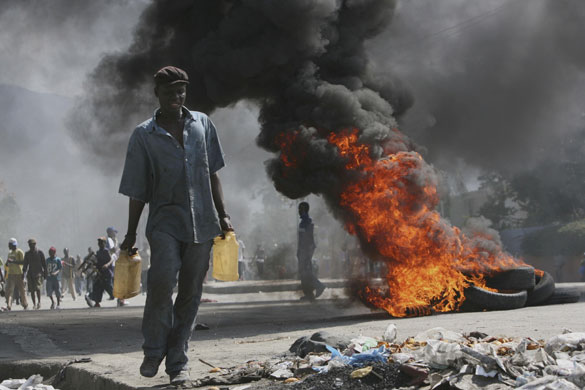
(244, 326)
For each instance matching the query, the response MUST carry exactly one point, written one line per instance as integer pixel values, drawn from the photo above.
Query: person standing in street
(35, 269)
(172, 163)
(259, 258)
(112, 247)
(104, 275)
(54, 268)
(15, 274)
(311, 286)
(68, 273)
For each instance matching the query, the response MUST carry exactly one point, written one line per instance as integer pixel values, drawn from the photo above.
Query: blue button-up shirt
(174, 180)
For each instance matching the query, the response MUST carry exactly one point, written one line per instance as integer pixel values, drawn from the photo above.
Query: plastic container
(127, 275)
(225, 258)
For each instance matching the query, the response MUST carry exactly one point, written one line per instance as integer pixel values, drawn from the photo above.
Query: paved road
(243, 327)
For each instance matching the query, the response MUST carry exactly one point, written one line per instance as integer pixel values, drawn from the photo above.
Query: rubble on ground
(437, 359)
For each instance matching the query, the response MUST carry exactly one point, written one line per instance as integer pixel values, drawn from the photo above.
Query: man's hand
(226, 224)
(129, 241)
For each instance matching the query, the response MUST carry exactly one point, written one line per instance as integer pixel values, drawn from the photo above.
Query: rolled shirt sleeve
(215, 154)
(136, 179)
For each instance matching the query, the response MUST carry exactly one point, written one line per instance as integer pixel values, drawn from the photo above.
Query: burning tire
(563, 295)
(521, 278)
(544, 288)
(477, 299)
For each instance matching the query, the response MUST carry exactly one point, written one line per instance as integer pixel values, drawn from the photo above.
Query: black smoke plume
(302, 61)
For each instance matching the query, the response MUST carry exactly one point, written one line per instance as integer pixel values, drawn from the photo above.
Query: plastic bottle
(127, 275)
(225, 258)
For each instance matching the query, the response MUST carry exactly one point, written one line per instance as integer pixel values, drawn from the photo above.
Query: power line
(457, 28)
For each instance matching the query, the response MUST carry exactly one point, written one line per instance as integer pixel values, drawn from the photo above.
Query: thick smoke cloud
(303, 62)
(499, 83)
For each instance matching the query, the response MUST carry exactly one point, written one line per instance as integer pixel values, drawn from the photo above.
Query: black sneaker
(319, 291)
(149, 366)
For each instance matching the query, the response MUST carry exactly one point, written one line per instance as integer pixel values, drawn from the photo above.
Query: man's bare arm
(135, 208)
(217, 193)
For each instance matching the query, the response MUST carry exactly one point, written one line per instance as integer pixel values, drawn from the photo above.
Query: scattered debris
(317, 342)
(437, 359)
(32, 383)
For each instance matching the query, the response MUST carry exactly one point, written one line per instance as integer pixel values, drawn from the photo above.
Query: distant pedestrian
(305, 249)
(241, 259)
(54, 268)
(88, 269)
(78, 276)
(104, 276)
(15, 274)
(35, 268)
(112, 247)
(68, 273)
(259, 258)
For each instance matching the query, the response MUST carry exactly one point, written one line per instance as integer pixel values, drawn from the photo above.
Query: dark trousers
(103, 282)
(309, 282)
(166, 325)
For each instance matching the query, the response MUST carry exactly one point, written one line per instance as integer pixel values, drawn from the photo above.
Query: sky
(494, 84)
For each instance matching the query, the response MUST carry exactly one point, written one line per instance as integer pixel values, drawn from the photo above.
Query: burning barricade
(436, 359)
(386, 195)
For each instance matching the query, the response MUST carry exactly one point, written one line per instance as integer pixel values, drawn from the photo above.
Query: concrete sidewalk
(244, 326)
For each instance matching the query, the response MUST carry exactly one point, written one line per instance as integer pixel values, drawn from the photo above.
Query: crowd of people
(57, 276)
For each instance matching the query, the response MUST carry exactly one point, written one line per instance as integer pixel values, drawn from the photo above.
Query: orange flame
(392, 207)
(286, 142)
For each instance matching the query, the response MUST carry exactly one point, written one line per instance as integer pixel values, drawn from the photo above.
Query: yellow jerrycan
(127, 274)
(225, 257)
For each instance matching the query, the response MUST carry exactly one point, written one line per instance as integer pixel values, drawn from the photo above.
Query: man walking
(305, 249)
(68, 273)
(35, 269)
(88, 269)
(15, 274)
(104, 275)
(171, 164)
(54, 268)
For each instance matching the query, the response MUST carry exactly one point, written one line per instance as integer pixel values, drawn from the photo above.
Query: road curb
(76, 376)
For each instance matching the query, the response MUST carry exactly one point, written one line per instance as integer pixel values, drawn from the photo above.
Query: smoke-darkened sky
(497, 83)
(493, 82)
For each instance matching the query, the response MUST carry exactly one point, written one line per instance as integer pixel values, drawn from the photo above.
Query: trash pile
(32, 383)
(436, 359)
